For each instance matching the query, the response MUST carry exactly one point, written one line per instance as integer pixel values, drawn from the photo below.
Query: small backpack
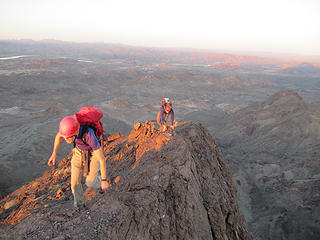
(167, 107)
(90, 116)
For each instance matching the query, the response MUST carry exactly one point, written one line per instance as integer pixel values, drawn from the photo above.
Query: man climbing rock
(87, 158)
(163, 114)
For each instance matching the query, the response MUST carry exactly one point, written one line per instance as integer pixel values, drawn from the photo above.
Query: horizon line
(256, 53)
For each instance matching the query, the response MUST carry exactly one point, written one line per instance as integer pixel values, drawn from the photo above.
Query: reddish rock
(114, 137)
(175, 187)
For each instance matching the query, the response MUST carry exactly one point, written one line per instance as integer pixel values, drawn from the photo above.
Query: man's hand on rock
(52, 160)
(105, 185)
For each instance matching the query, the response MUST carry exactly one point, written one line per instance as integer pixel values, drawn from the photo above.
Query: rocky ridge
(164, 187)
(272, 148)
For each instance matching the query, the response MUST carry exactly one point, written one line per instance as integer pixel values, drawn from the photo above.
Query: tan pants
(165, 115)
(93, 180)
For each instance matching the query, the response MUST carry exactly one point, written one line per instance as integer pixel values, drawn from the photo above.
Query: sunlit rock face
(164, 186)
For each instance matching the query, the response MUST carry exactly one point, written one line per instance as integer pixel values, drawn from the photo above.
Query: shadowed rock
(273, 151)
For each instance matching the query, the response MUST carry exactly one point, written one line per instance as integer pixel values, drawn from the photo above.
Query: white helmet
(165, 101)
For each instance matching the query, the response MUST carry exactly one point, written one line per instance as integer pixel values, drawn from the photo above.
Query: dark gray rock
(170, 187)
(273, 151)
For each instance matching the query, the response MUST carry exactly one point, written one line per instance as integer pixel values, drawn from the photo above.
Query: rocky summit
(164, 186)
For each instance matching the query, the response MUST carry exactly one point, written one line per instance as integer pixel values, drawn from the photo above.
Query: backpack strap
(82, 136)
(84, 130)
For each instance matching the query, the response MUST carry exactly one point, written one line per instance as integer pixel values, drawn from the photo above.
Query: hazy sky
(291, 26)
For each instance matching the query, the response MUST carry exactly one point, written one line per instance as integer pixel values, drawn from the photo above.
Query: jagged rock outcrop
(273, 151)
(164, 187)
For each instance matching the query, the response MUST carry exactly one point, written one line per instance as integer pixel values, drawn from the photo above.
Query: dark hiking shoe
(81, 207)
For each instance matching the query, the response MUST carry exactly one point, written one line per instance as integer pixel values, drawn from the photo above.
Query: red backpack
(167, 108)
(90, 116)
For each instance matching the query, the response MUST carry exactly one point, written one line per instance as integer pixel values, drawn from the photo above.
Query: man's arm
(172, 117)
(162, 118)
(57, 141)
(103, 169)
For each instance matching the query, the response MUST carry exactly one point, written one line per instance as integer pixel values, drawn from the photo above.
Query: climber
(163, 114)
(86, 149)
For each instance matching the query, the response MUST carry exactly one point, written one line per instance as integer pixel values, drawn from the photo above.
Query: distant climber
(83, 129)
(163, 114)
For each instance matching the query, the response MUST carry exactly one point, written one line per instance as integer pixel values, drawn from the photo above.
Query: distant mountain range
(187, 56)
